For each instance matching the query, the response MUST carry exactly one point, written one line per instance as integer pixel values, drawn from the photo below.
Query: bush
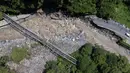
(19, 54)
(3, 60)
(5, 70)
(3, 67)
(123, 15)
(1, 16)
(124, 44)
(107, 8)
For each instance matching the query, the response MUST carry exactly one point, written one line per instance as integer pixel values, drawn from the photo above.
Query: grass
(19, 54)
(123, 15)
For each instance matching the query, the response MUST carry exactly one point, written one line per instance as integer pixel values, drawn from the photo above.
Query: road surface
(117, 28)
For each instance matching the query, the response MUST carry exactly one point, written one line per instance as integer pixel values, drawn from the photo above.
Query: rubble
(62, 33)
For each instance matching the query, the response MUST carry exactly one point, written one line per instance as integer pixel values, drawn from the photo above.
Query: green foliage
(124, 44)
(123, 14)
(118, 10)
(123, 62)
(19, 54)
(1, 16)
(20, 6)
(81, 64)
(39, 3)
(95, 60)
(3, 67)
(58, 67)
(3, 70)
(86, 50)
(106, 8)
(104, 68)
(51, 65)
(106, 11)
(3, 60)
(81, 6)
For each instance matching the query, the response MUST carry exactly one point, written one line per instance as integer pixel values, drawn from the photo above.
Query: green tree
(81, 6)
(86, 50)
(84, 63)
(112, 60)
(99, 59)
(78, 71)
(50, 65)
(91, 68)
(96, 60)
(115, 70)
(104, 68)
(3, 60)
(99, 55)
(1, 15)
(106, 11)
(51, 71)
(107, 8)
(20, 6)
(123, 64)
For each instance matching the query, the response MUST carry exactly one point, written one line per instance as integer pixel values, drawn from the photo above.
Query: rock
(12, 65)
(56, 16)
(73, 39)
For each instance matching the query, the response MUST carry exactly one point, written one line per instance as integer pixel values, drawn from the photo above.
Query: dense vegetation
(19, 6)
(81, 6)
(91, 59)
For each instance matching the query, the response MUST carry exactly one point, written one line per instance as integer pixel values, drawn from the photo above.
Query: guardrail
(42, 41)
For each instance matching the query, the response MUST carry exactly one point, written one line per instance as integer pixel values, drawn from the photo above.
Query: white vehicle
(127, 34)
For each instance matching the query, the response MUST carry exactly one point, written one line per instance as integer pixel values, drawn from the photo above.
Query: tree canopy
(82, 6)
(91, 59)
(17, 6)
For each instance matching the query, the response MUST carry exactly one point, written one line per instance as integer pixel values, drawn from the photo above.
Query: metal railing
(42, 41)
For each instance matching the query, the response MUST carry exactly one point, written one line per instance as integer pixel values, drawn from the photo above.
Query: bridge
(29, 34)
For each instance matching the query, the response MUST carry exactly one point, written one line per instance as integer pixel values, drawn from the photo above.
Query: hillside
(68, 25)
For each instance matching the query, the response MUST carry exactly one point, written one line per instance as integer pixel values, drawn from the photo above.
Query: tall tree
(82, 6)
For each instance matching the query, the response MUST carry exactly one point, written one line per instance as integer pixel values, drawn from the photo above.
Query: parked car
(127, 34)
